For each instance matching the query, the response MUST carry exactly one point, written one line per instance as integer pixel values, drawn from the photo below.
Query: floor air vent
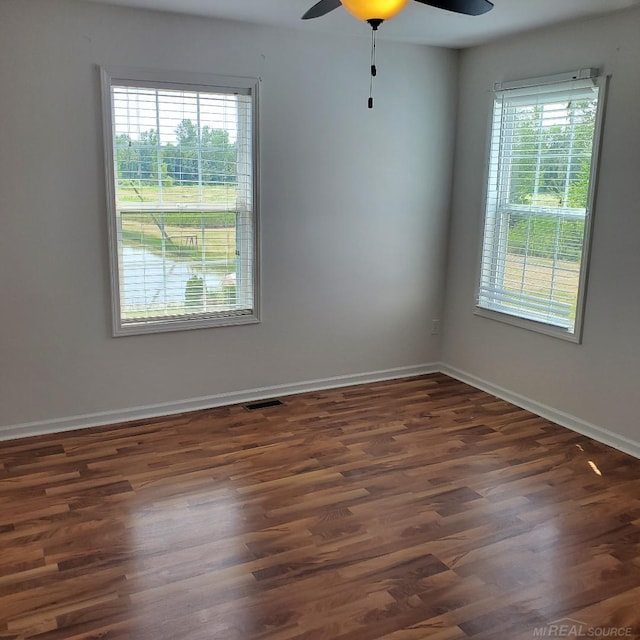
(264, 404)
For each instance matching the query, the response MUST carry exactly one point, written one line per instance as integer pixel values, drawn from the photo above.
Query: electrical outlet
(435, 327)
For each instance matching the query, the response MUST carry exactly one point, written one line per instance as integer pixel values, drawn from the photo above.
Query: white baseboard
(73, 423)
(85, 421)
(559, 417)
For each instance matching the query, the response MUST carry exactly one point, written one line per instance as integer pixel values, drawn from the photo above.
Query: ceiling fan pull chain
(374, 70)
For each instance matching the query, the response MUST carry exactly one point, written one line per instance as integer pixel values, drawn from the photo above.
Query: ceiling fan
(375, 12)
(384, 9)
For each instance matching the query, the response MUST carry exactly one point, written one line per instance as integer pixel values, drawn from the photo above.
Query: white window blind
(539, 201)
(184, 223)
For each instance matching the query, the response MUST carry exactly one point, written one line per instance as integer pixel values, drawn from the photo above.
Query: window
(181, 181)
(539, 202)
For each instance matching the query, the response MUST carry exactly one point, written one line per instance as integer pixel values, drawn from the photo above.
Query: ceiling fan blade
(468, 7)
(322, 8)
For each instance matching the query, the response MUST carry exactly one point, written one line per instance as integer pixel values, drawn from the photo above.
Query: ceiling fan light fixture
(374, 9)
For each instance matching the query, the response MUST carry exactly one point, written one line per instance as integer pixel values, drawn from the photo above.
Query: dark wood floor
(402, 510)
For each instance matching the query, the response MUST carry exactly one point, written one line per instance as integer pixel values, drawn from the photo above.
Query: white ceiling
(417, 23)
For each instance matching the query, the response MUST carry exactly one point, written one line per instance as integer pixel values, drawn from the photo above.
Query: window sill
(530, 325)
(133, 329)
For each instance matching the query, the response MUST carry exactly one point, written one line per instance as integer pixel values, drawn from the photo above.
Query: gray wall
(355, 214)
(597, 381)
(354, 210)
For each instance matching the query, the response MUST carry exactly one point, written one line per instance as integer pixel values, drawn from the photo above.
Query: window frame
(188, 81)
(521, 321)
